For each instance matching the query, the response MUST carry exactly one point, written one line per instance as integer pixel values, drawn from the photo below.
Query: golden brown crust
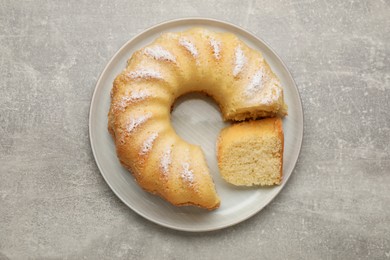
(143, 94)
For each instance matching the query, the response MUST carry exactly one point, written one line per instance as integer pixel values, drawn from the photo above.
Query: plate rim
(162, 24)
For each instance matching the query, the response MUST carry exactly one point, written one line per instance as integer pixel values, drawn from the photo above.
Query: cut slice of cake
(251, 153)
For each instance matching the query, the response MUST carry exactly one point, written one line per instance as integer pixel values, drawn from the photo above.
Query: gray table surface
(55, 204)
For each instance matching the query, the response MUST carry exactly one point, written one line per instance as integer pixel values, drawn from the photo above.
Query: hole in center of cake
(198, 120)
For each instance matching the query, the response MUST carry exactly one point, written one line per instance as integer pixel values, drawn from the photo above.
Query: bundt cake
(197, 60)
(251, 153)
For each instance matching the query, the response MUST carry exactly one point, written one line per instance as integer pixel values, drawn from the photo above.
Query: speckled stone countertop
(55, 204)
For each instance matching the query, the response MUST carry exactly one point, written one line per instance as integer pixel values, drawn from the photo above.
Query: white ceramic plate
(198, 121)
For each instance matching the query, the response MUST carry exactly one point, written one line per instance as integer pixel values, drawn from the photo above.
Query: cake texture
(251, 153)
(197, 60)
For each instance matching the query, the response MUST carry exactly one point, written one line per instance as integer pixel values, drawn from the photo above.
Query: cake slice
(251, 153)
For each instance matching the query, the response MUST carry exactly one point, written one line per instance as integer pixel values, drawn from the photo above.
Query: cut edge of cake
(250, 153)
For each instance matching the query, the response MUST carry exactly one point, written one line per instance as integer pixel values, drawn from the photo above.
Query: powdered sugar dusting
(166, 161)
(187, 174)
(262, 89)
(267, 97)
(216, 45)
(135, 122)
(148, 143)
(138, 95)
(271, 94)
(145, 74)
(159, 53)
(240, 61)
(189, 46)
(276, 94)
(256, 83)
(135, 96)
